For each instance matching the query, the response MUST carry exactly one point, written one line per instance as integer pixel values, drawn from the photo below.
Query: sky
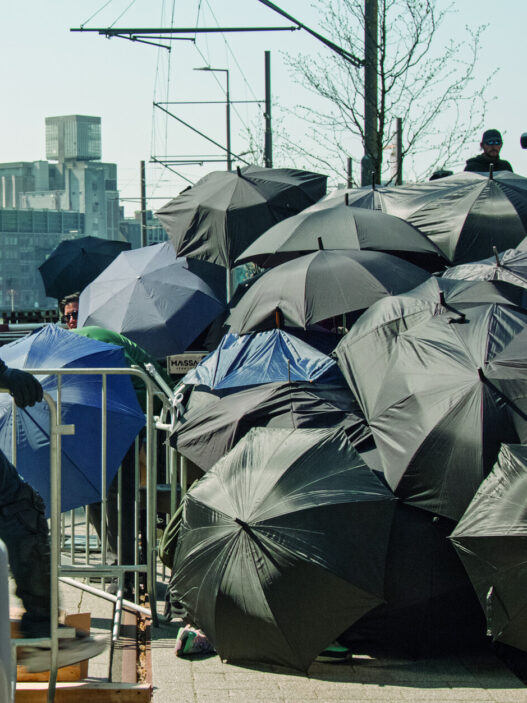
(48, 70)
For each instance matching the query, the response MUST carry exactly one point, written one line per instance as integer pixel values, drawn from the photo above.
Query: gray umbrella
(454, 389)
(150, 296)
(332, 224)
(319, 286)
(364, 354)
(509, 266)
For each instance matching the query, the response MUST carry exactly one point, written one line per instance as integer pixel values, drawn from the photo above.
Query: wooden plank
(75, 672)
(127, 646)
(83, 691)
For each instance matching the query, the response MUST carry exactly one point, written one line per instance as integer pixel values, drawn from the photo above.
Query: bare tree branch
(431, 88)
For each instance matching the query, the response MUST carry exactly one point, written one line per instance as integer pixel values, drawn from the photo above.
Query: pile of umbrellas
(361, 414)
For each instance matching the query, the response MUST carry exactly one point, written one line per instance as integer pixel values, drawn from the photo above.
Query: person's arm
(23, 386)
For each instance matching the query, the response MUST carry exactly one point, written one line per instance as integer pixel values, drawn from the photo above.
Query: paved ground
(363, 679)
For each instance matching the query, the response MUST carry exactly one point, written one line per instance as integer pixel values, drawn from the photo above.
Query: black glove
(23, 386)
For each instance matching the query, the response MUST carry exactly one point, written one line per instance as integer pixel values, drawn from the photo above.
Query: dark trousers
(24, 530)
(113, 513)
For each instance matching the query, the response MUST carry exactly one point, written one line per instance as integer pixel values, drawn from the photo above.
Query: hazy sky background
(48, 70)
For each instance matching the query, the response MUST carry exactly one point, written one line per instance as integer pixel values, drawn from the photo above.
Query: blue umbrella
(152, 297)
(262, 357)
(52, 347)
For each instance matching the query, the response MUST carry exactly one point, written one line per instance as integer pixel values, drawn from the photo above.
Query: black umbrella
(491, 539)
(465, 215)
(510, 266)
(76, 262)
(400, 201)
(364, 354)
(212, 423)
(319, 286)
(430, 604)
(452, 391)
(226, 211)
(282, 546)
(333, 225)
(474, 213)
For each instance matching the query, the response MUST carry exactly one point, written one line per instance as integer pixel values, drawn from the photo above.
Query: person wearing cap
(491, 143)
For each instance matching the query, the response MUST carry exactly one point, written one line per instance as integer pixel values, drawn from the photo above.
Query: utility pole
(350, 172)
(399, 150)
(369, 160)
(228, 122)
(268, 146)
(143, 205)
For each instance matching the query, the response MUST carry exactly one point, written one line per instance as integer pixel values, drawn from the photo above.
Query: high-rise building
(73, 137)
(130, 228)
(78, 193)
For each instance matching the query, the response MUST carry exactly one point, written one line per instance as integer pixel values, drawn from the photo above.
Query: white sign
(179, 364)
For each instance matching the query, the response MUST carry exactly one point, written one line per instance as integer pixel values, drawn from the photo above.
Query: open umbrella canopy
(52, 347)
(456, 388)
(226, 211)
(331, 224)
(400, 201)
(364, 354)
(212, 424)
(473, 213)
(491, 539)
(319, 286)
(290, 523)
(76, 262)
(430, 606)
(510, 266)
(263, 357)
(465, 215)
(152, 297)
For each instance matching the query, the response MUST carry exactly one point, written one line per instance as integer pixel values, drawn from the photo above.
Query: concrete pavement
(477, 676)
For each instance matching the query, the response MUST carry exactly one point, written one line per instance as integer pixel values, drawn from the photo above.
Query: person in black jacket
(491, 143)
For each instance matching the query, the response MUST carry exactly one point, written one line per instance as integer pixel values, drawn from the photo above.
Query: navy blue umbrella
(76, 262)
(263, 357)
(52, 347)
(152, 297)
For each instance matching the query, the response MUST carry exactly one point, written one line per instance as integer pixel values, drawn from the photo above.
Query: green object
(333, 653)
(289, 524)
(134, 355)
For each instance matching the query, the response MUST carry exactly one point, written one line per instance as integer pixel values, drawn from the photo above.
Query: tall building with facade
(71, 194)
(131, 229)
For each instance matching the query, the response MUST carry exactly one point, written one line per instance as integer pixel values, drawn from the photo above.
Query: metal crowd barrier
(66, 572)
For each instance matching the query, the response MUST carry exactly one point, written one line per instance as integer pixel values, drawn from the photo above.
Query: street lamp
(228, 109)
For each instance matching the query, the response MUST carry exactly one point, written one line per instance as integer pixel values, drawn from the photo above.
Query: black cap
(441, 173)
(491, 134)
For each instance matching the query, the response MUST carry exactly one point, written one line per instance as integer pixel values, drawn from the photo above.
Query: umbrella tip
(491, 172)
(239, 171)
(373, 180)
(481, 374)
(347, 198)
(496, 255)
(320, 243)
(243, 524)
(278, 318)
